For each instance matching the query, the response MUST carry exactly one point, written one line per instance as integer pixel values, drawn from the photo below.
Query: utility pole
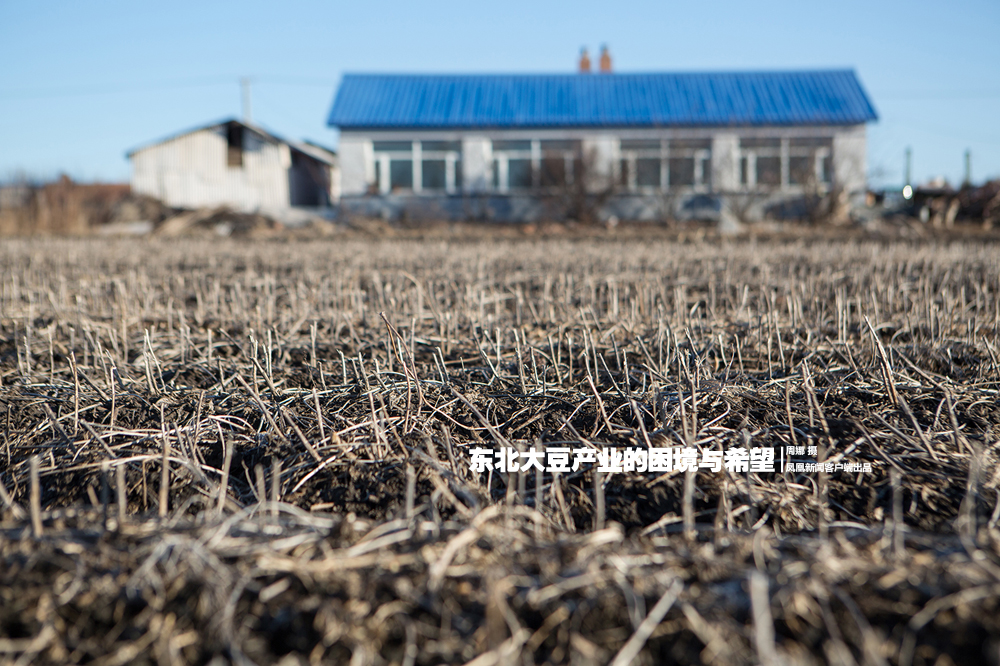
(967, 181)
(909, 156)
(245, 84)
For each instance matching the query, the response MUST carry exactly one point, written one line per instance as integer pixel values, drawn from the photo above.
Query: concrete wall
(725, 162)
(478, 200)
(601, 154)
(477, 164)
(191, 172)
(850, 165)
(357, 164)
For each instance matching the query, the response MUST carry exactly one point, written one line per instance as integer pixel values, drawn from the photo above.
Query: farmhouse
(236, 164)
(636, 146)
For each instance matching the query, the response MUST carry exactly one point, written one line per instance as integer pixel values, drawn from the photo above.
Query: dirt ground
(232, 451)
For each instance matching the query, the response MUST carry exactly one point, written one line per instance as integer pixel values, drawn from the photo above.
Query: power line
(939, 95)
(306, 81)
(113, 89)
(298, 80)
(116, 89)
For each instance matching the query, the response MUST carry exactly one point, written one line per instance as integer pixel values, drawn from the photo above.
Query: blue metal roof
(600, 100)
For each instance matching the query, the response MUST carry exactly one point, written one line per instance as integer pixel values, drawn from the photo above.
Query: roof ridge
(427, 100)
(599, 76)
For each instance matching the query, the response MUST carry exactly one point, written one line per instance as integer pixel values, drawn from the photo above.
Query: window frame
(502, 156)
(818, 148)
(537, 153)
(668, 149)
(451, 155)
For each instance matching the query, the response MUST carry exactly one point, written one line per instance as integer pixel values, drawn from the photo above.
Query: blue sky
(83, 82)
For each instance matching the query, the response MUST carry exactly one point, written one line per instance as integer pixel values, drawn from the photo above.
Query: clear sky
(83, 82)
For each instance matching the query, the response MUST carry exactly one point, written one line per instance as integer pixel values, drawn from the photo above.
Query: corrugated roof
(600, 100)
(318, 153)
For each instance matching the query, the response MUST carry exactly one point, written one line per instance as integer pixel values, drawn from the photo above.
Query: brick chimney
(584, 61)
(605, 60)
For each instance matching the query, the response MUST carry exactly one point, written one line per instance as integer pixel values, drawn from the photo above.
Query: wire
(113, 89)
(940, 95)
(103, 89)
(296, 81)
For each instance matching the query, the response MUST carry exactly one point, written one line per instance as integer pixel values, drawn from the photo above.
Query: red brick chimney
(584, 61)
(605, 60)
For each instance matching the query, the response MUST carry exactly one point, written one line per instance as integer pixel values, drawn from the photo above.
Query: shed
(237, 164)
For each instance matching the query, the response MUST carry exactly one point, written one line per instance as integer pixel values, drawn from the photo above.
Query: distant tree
(576, 189)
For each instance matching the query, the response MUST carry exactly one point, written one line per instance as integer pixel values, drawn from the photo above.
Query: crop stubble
(315, 404)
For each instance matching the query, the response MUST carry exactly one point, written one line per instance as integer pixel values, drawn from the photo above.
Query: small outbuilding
(236, 164)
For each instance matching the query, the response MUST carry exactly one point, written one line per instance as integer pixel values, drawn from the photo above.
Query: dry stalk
(372, 508)
(36, 499)
(164, 477)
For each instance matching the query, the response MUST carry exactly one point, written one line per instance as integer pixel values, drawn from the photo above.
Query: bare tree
(577, 188)
(822, 202)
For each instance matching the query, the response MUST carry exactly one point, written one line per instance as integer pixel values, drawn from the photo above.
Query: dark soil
(320, 505)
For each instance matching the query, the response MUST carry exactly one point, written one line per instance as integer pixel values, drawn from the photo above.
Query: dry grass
(254, 452)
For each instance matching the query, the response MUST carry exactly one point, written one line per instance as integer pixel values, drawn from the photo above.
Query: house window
(554, 172)
(417, 166)
(433, 175)
(703, 170)
(234, 145)
(809, 160)
(690, 163)
(522, 164)
(559, 162)
(654, 165)
(393, 146)
(760, 162)
(624, 173)
(512, 164)
(400, 175)
(772, 162)
(394, 166)
(519, 173)
(681, 171)
(642, 164)
(769, 170)
(826, 169)
(441, 166)
(648, 172)
(801, 169)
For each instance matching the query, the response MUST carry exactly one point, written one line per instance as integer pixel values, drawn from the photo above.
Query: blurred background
(87, 81)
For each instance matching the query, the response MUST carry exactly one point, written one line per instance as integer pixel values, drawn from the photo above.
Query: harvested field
(261, 452)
